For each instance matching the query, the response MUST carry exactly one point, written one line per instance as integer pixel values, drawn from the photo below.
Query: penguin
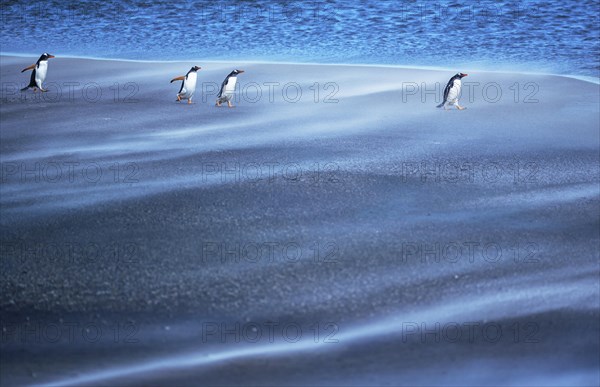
(188, 86)
(452, 92)
(228, 88)
(40, 69)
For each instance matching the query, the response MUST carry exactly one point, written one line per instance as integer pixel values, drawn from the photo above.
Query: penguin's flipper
(225, 82)
(28, 68)
(449, 86)
(181, 78)
(440, 105)
(32, 83)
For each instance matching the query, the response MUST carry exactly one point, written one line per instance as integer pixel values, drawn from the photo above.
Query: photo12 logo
(69, 332)
(469, 332)
(65, 254)
(68, 171)
(470, 251)
(467, 171)
(270, 172)
(455, 12)
(89, 92)
(276, 92)
(269, 252)
(489, 92)
(269, 332)
(250, 13)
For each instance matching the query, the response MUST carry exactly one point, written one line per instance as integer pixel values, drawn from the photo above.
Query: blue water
(545, 36)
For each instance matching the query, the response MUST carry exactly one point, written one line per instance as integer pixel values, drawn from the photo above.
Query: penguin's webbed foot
(229, 105)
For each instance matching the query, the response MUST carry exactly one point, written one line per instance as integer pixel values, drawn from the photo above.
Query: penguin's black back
(182, 84)
(225, 82)
(449, 86)
(32, 79)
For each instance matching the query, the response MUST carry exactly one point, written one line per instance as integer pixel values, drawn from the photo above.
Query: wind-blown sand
(113, 233)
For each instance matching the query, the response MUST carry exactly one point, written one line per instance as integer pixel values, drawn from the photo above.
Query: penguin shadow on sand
(452, 92)
(38, 75)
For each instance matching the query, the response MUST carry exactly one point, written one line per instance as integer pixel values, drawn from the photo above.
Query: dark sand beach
(339, 233)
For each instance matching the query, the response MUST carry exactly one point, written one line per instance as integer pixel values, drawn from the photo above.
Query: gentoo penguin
(452, 92)
(188, 86)
(228, 88)
(40, 69)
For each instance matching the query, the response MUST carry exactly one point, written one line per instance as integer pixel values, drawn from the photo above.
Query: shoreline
(584, 78)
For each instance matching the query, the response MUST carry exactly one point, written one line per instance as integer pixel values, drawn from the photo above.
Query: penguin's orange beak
(51, 56)
(241, 71)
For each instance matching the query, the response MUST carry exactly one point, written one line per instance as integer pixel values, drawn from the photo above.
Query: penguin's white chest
(40, 73)
(230, 86)
(189, 85)
(454, 92)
